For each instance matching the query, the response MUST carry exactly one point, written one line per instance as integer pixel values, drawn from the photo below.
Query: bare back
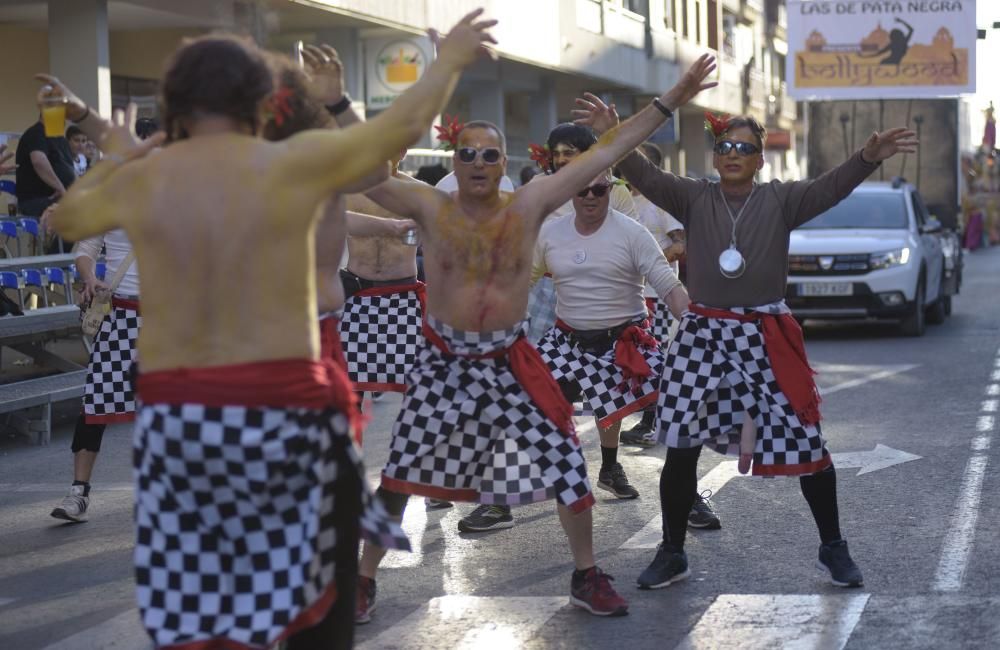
(478, 268)
(227, 265)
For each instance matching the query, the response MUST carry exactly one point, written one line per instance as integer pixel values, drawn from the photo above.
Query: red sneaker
(366, 600)
(593, 592)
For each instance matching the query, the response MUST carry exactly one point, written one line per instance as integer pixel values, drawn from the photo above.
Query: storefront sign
(881, 49)
(392, 65)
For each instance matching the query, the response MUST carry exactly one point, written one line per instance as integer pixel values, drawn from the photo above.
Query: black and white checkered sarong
(660, 320)
(468, 431)
(714, 371)
(108, 395)
(239, 513)
(381, 333)
(601, 382)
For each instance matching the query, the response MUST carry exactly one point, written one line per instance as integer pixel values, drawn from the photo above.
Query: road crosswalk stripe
(469, 622)
(752, 622)
(123, 632)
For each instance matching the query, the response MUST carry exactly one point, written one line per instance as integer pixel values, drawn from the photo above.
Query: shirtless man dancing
(483, 419)
(250, 493)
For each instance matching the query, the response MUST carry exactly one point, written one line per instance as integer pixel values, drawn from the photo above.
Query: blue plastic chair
(11, 280)
(8, 186)
(30, 226)
(59, 278)
(74, 272)
(34, 278)
(100, 269)
(9, 230)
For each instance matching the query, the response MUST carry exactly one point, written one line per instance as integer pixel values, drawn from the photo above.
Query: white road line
(469, 622)
(123, 632)
(875, 376)
(6, 601)
(985, 423)
(993, 389)
(980, 443)
(989, 406)
(776, 621)
(962, 528)
(995, 376)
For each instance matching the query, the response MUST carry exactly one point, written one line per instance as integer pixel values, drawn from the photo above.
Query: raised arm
(366, 225)
(409, 198)
(543, 195)
(99, 200)
(806, 199)
(93, 125)
(326, 81)
(328, 161)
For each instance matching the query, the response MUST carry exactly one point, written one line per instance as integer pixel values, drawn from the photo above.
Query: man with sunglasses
(483, 419)
(600, 348)
(738, 360)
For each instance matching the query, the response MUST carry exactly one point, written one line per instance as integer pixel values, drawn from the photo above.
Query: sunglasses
(598, 190)
(468, 155)
(742, 148)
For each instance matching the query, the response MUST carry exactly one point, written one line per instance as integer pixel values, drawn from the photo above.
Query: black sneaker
(834, 559)
(666, 568)
(641, 435)
(437, 504)
(702, 514)
(486, 517)
(613, 479)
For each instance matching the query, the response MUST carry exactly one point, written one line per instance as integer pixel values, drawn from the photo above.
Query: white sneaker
(73, 506)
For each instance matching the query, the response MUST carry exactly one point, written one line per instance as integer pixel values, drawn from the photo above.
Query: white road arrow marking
(867, 461)
(888, 371)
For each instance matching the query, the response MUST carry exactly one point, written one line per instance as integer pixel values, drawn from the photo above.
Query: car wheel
(914, 323)
(937, 312)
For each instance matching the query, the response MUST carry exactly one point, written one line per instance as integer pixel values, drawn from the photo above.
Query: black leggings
(87, 437)
(336, 630)
(679, 482)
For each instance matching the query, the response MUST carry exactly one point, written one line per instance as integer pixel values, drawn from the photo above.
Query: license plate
(826, 289)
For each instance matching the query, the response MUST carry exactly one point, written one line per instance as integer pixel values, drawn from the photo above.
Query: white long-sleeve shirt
(659, 222)
(116, 247)
(599, 277)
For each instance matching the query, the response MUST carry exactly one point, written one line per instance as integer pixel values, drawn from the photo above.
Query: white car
(878, 254)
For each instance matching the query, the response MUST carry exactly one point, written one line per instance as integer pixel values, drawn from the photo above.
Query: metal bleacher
(27, 402)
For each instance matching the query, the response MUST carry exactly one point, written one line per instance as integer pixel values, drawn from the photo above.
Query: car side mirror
(931, 226)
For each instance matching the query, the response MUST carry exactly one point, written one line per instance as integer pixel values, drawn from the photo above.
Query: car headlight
(889, 259)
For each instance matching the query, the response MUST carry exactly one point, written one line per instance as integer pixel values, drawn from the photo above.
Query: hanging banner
(392, 65)
(881, 49)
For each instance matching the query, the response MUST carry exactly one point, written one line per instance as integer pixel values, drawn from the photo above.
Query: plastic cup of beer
(54, 116)
(410, 237)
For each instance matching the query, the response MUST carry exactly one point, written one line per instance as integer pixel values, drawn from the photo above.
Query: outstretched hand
(120, 141)
(326, 72)
(692, 83)
(466, 40)
(593, 112)
(888, 143)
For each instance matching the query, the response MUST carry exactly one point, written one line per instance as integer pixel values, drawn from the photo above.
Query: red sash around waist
(286, 383)
(787, 353)
(531, 372)
(628, 358)
(417, 287)
(125, 303)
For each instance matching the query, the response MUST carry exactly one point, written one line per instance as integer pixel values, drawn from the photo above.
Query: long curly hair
(216, 75)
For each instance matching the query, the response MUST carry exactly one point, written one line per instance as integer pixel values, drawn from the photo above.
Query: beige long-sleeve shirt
(762, 233)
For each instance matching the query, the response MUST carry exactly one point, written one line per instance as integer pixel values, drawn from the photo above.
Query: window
(713, 24)
(684, 18)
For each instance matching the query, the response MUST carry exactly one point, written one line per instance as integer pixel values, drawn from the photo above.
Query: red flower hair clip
(280, 105)
(448, 133)
(541, 155)
(717, 124)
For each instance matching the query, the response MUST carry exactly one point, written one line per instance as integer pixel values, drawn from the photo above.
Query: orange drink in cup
(54, 116)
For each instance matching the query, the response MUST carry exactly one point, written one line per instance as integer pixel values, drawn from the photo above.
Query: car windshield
(867, 210)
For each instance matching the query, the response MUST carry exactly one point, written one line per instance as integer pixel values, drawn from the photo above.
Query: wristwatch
(339, 107)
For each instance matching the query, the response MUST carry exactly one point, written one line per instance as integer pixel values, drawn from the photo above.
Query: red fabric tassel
(531, 372)
(330, 347)
(786, 351)
(628, 358)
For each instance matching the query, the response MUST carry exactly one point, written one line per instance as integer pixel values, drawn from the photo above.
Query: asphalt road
(914, 509)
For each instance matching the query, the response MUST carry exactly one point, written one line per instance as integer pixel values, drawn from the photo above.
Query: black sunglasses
(742, 148)
(468, 155)
(597, 189)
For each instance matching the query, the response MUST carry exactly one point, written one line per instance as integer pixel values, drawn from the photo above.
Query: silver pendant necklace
(731, 262)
